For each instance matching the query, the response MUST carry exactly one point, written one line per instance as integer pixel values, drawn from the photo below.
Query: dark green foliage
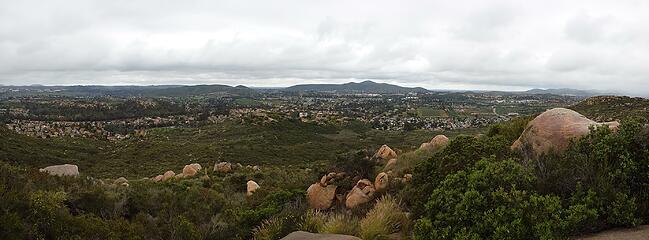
(609, 108)
(601, 181)
(510, 130)
(462, 152)
(491, 200)
(615, 166)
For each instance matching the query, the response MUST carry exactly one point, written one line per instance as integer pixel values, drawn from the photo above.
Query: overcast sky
(504, 45)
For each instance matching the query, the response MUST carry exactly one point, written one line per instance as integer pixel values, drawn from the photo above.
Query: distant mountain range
(565, 92)
(362, 87)
(225, 90)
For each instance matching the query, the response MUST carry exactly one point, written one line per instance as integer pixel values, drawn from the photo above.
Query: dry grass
(384, 219)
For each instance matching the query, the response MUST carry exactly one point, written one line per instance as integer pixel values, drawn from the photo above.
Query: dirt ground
(638, 233)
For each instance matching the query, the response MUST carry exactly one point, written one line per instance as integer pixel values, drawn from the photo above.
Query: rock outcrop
(381, 182)
(435, 144)
(251, 187)
(552, 131)
(385, 153)
(62, 170)
(361, 193)
(168, 175)
(321, 197)
(121, 181)
(191, 169)
(301, 235)
(223, 167)
(158, 178)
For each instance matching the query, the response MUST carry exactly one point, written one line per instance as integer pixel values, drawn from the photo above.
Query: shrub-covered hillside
(610, 108)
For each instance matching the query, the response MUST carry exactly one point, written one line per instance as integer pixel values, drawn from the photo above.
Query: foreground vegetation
(474, 188)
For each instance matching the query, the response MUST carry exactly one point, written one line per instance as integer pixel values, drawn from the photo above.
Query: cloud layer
(463, 44)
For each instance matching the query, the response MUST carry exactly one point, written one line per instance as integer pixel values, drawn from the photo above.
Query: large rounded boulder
(552, 131)
(437, 143)
(191, 169)
(62, 170)
(360, 194)
(321, 197)
(251, 187)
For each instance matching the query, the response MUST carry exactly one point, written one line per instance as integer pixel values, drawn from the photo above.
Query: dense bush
(478, 189)
(461, 152)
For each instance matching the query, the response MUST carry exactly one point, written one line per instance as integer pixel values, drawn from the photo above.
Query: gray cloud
(435, 44)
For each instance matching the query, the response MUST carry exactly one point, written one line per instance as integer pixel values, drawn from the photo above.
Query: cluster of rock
(323, 194)
(552, 131)
(188, 171)
(226, 167)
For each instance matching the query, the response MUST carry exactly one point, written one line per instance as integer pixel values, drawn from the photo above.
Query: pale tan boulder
(385, 153)
(168, 175)
(158, 178)
(381, 182)
(320, 197)
(552, 131)
(191, 169)
(62, 170)
(360, 194)
(121, 181)
(435, 144)
(251, 187)
(223, 167)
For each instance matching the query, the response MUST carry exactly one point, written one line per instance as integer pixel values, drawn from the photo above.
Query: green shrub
(461, 153)
(493, 200)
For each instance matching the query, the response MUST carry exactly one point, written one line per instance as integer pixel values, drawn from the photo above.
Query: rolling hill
(352, 87)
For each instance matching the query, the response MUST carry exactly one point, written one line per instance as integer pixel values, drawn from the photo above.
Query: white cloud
(435, 44)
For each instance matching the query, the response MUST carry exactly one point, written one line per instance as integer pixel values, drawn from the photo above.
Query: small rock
(62, 170)
(252, 186)
(168, 175)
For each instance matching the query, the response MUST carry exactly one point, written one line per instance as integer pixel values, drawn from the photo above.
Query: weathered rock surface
(552, 131)
(435, 144)
(381, 182)
(385, 153)
(121, 181)
(191, 169)
(361, 193)
(251, 187)
(158, 178)
(168, 175)
(62, 170)
(223, 167)
(321, 197)
(301, 235)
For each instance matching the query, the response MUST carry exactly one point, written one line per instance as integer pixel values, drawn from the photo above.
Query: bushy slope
(609, 108)
(281, 143)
